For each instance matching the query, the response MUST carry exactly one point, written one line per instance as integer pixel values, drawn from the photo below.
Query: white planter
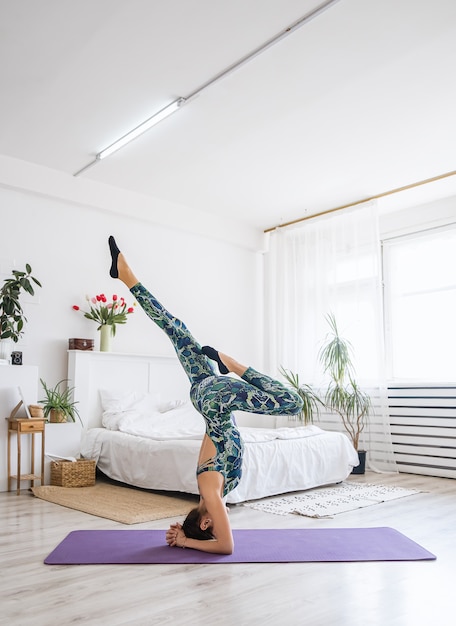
(6, 347)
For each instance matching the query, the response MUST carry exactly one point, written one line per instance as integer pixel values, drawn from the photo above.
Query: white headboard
(88, 372)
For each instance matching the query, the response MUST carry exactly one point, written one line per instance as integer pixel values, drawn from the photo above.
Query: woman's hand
(175, 536)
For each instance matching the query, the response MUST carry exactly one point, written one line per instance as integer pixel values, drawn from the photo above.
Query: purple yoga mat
(82, 547)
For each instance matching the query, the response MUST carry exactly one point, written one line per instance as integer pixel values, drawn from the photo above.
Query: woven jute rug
(121, 504)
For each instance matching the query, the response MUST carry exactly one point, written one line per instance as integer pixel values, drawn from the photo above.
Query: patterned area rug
(330, 501)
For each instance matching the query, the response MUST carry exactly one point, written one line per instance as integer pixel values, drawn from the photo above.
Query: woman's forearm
(212, 545)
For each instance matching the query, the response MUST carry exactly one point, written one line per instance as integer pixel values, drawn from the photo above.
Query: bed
(142, 430)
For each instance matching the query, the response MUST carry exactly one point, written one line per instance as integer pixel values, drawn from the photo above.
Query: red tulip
(75, 307)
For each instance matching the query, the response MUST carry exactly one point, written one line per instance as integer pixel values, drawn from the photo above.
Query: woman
(207, 526)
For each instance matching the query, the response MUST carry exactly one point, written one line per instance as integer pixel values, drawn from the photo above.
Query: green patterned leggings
(215, 397)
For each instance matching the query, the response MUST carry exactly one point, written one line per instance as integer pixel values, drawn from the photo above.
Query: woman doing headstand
(214, 397)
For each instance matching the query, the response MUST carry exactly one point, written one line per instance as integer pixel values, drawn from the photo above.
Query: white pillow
(119, 406)
(119, 401)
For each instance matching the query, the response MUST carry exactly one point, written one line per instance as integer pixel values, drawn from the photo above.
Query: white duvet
(160, 451)
(184, 422)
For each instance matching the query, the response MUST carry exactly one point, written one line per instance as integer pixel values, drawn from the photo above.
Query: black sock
(114, 273)
(214, 356)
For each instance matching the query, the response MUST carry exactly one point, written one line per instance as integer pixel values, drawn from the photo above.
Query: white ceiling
(358, 101)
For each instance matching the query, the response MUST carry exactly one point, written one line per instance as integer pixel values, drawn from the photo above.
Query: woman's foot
(212, 354)
(225, 363)
(113, 271)
(119, 266)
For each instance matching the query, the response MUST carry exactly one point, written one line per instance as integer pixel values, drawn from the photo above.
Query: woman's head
(197, 525)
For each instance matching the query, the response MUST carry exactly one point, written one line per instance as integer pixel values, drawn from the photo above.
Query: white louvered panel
(421, 391)
(423, 428)
(424, 451)
(420, 440)
(411, 412)
(423, 470)
(424, 459)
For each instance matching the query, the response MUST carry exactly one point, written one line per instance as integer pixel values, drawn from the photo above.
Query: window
(420, 305)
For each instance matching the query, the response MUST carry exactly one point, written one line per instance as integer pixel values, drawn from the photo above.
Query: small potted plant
(343, 395)
(311, 402)
(58, 405)
(12, 316)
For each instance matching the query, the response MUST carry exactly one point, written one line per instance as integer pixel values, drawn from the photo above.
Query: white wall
(213, 285)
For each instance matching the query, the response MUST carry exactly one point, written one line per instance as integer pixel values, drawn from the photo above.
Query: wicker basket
(73, 474)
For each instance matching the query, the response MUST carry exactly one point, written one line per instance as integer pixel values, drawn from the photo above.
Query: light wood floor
(310, 594)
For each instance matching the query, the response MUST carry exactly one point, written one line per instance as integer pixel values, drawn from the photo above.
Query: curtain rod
(375, 197)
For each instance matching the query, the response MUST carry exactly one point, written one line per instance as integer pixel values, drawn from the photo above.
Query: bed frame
(88, 372)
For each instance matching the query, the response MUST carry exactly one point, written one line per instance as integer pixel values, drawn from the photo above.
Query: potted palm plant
(343, 394)
(311, 402)
(58, 405)
(12, 316)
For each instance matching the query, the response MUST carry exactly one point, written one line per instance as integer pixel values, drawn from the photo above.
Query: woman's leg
(196, 365)
(254, 393)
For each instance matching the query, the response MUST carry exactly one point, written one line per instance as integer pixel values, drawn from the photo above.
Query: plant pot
(361, 468)
(57, 417)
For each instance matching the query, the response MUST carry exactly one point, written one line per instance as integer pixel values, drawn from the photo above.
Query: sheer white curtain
(330, 264)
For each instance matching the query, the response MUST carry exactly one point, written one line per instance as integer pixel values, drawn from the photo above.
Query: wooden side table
(25, 426)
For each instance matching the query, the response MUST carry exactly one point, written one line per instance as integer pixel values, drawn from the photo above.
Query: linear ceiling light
(136, 132)
(139, 130)
(177, 103)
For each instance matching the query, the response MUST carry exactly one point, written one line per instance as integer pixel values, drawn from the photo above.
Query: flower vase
(105, 338)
